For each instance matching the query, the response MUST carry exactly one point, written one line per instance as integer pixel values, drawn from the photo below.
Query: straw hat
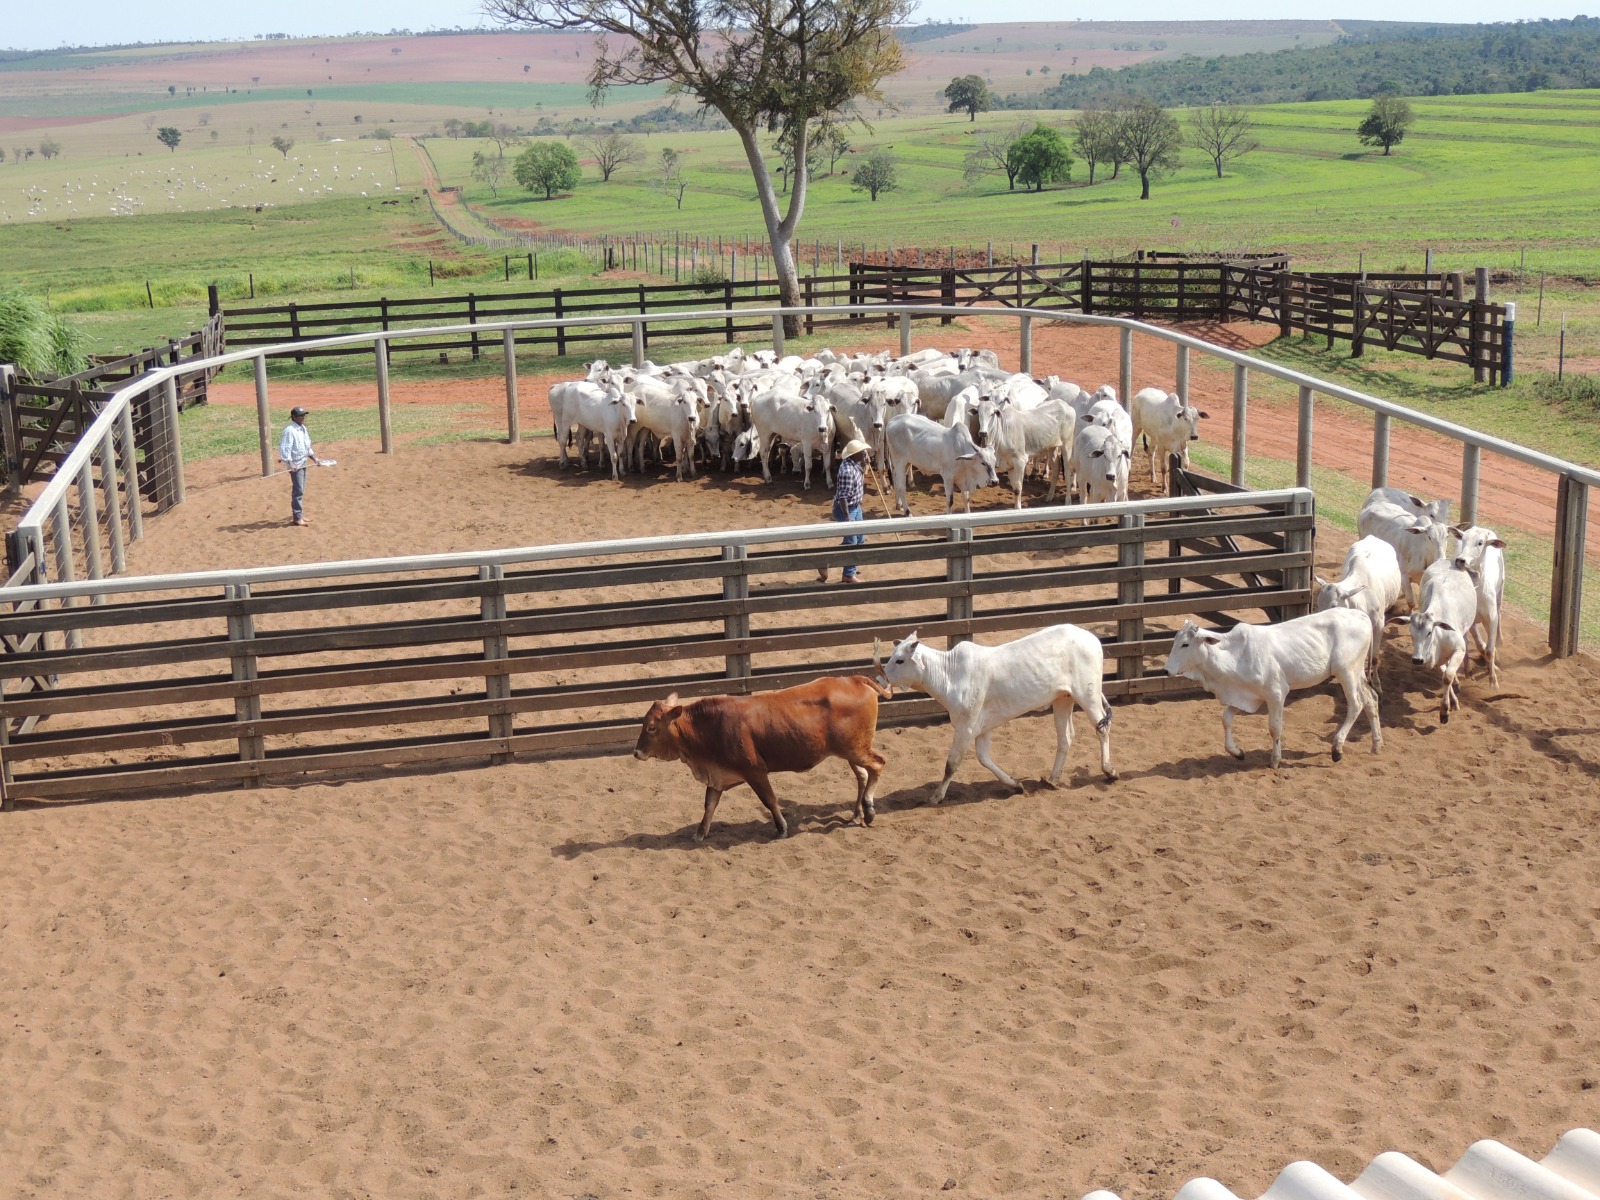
(854, 447)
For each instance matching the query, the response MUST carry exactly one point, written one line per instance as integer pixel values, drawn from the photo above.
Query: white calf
(983, 687)
(1168, 425)
(1481, 554)
(1417, 541)
(913, 441)
(1371, 584)
(1436, 510)
(1100, 465)
(1255, 664)
(1020, 434)
(604, 410)
(1439, 628)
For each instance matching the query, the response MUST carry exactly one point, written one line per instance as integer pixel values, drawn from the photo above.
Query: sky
(28, 26)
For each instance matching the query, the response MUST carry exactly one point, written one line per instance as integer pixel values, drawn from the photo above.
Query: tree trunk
(972, 114)
(1092, 165)
(780, 230)
(1116, 169)
(1219, 168)
(1144, 191)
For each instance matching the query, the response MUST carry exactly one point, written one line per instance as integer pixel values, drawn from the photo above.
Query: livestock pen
(137, 664)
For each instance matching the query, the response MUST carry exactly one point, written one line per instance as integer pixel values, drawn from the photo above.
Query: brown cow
(729, 740)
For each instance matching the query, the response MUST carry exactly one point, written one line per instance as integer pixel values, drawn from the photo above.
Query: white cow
(1418, 541)
(1482, 555)
(1255, 664)
(1108, 412)
(935, 389)
(1021, 434)
(1371, 584)
(913, 441)
(1168, 425)
(1437, 510)
(976, 358)
(859, 413)
(983, 687)
(605, 410)
(672, 417)
(778, 416)
(1439, 628)
(1100, 463)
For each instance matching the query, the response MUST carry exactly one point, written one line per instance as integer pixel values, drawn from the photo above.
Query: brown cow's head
(657, 738)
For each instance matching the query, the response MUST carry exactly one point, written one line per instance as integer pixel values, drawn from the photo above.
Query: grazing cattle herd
(962, 418)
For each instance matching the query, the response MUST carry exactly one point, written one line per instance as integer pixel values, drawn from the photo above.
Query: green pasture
(1479, 180)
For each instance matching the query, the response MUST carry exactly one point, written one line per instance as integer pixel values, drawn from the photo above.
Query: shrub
(708, 278)
(37, 340)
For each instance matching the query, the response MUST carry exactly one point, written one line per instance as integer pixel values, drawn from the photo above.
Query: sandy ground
(527, 981)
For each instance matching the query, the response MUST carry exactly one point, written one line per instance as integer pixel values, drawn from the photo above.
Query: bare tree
(503, 136)
(1095, 134)
(672, 181)
(610, 149)
(764, 65)
(1151, 140)
(489, 170)
(1223, 132)
(992, 153)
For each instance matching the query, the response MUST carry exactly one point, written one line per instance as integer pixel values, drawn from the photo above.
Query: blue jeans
(297, 493)
(840, 513)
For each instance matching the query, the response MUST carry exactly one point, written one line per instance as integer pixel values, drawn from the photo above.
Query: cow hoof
(1239, 754)
(866, 817)
(1338, 753)
(1444, 718)
(698, 837)
(1111, 776)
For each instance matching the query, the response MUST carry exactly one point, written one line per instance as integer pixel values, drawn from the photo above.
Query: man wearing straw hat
(295, 451)
(850, 487)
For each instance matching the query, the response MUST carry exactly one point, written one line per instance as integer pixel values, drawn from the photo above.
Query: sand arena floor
(527, 981)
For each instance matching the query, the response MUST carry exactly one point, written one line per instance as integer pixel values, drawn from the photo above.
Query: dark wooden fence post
(947, 291)
(247, 706)
(808, 293)
(958, 570)
(472, 319)
(727, 304)
(496, 649)
(1480, 326)
(1358, 325)
(1130, 592)
(294, 328)
(1566, 580)
(736, 625)
(561, 330)
(1086, 287)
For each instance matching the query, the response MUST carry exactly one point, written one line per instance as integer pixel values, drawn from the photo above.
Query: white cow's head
(1475, 543)
(1434, 642)
(902, 669)
(1191, 651)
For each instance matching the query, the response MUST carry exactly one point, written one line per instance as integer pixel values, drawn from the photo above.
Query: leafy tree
(169, 137)
(283, 145)
(1095, 135)
(383, 133)
(611, 149)
(1040, 156)
(452, 127)
(49, 148)
(502, 135)
(672, 181)
(992, 154)
(548, 167)
(489, 170)
(1151, 141)
(1386, 121)
(875, 174)
(1223, 131)
(831, 141)
(969, 93)
(761, 64)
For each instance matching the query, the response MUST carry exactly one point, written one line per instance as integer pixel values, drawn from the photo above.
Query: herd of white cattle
(957, 416)
(1250, 666)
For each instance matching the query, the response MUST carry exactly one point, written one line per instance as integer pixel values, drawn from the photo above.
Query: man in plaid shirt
(850, 487)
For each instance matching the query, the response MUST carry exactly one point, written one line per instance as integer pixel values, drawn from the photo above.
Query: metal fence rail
(48, 526)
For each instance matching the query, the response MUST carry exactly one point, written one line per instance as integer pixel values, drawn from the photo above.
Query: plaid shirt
(850, 484)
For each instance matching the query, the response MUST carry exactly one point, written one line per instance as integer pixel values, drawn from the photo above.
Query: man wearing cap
(295, 451)
(849, 490)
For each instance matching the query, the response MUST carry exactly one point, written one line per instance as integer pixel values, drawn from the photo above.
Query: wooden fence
(41, 422)
(1415, 313)
(247, 676)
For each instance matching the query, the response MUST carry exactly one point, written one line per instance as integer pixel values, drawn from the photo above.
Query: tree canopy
(969, 93)
(875, 174)
(169, 137)
(547, 167)
(1386, 122)
(610, 149)
(765, 65)
(1041, 156)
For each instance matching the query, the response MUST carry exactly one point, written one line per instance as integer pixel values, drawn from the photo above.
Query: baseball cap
(297, 411)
